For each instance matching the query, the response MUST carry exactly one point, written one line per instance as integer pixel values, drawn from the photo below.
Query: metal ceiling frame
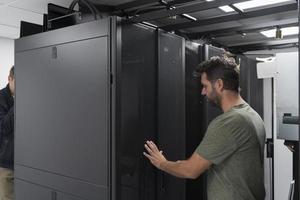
(189, 8)
(264, 41)
(232, 17)
(139, 4)
(256, 47)
(135, 4)
(237, 30)
(151, 10)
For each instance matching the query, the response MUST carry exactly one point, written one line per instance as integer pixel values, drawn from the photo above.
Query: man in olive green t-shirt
(233, 147)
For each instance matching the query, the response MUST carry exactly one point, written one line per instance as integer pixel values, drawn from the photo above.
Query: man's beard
(214, 100)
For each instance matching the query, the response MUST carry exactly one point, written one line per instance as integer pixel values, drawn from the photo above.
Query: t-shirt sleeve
(218, 143)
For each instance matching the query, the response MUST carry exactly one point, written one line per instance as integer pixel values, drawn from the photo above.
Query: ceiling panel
(13, 16)
(2, 2)
(38, 6)
(9, 32)
(13, 11)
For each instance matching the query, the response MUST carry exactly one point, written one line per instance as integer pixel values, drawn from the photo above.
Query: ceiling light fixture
(284, 32)
(268, 59)
(257, 3)
(149, 24)
(226, 9)
(189, 17)
(278, 33)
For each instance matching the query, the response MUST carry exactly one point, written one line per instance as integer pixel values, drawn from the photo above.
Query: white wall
(285, 72)
(286, 97)
(268, 107)
(6, 59)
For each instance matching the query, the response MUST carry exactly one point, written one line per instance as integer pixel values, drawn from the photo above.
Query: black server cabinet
(195, 128)
(251, 86)
(171, 110)
(63, 122)
(199, 113)
(151, 83)
(210, 111)
(137, 110)
(88, 96)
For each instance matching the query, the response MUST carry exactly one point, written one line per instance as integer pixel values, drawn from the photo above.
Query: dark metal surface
(196, 7)
(251, 86)
(232, 17)
(136, 4)
(239, 30)
(137, 109)
(255, 39)
(255, 47)
(171, 111)
(297, 184)
(178, 2)
(65, 35)
(195, 131)
(62, 135)
(210, 111)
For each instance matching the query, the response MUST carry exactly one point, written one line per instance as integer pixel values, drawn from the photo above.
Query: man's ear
(220, 84)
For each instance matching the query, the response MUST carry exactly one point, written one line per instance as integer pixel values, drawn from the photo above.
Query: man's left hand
(154, 155)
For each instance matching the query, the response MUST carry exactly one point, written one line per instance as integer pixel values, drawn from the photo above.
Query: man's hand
(154, 155)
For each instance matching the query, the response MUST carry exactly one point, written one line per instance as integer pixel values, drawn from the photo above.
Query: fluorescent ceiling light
(189, 17)
(209, 0)
(149, 24)
(269, 59)
(285, 31)
(226, 8)
(257, 3)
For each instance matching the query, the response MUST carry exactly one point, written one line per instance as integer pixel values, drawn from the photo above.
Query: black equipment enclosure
(87, 98)
(62, 148)
(103, 91)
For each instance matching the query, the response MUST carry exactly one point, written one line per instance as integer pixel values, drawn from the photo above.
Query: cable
(95, 9)
(89, 5)
(71, 8)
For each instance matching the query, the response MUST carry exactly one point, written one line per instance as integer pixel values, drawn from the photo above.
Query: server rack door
(24, 190)
(136, 176)
(62, 117)
(195, 189)
(211, 111)
(251, 86)
(171, 111)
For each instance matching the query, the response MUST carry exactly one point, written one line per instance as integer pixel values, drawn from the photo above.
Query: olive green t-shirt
(234, 143)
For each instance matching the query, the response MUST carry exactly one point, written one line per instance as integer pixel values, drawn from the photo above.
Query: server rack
(87, 98)
(63, 118)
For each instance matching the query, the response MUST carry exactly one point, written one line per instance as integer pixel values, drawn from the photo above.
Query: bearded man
(233, 146)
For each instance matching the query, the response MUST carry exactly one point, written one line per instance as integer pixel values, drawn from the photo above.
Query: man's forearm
(179, 169)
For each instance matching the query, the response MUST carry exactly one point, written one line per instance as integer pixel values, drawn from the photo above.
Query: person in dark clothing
(7, 138)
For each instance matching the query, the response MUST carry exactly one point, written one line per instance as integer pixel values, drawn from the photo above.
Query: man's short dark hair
(12, 72)
(223, 68)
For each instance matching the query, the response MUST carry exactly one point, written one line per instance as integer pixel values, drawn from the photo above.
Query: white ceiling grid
(13, 11)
